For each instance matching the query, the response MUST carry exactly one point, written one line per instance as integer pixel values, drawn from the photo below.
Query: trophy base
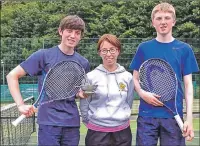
(89, 92)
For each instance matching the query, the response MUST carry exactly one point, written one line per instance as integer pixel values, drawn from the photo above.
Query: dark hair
(72, 22)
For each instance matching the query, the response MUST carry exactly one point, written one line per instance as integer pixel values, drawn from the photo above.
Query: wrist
(18, 105)
(189, 119)
(140, 91)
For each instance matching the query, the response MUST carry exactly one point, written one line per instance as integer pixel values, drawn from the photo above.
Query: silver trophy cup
(89, 89)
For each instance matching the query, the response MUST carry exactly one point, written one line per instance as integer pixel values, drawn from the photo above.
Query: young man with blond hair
(58, 121)
(154, 120)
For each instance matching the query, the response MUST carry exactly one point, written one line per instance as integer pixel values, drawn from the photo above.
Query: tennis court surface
(26, 132)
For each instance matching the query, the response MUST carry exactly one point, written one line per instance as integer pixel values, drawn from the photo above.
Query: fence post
(34, 126)
(43, 43)
(3, 72)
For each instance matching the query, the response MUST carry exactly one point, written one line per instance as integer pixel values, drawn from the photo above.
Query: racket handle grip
(18, 120)
(179, 121)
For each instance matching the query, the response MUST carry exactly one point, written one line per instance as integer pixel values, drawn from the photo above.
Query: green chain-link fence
(15, 50)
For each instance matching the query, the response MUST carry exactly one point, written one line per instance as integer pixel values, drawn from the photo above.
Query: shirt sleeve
(84, 108)
(137, 59)
(130, 95)
(189, 64)
(34, 64)
(87, 69)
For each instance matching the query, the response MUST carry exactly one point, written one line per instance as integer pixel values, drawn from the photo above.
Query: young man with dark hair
(58, 121)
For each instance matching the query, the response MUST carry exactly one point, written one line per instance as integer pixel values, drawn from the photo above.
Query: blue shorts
(150, 129)
(57, 136)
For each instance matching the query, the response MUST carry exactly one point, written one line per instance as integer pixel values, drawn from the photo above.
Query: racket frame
(41, 95)
(175, 113)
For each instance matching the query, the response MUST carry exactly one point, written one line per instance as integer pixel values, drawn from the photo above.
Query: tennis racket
(62, 81)
(157, 76)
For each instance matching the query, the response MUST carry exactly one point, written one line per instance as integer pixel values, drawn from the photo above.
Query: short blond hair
(163, 7)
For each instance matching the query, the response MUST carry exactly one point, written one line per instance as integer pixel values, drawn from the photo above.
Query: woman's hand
(82, 94)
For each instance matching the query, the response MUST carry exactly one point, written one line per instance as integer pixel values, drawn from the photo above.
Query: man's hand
(27, 110)
(188, 131)
(150, 98)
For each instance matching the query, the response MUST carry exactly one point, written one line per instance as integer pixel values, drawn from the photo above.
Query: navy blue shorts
(150, 129)
(58, 136)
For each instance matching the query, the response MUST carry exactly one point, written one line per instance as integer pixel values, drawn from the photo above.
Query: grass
(196, 124)
(83, 129)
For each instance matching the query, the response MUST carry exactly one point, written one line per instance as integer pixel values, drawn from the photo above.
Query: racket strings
(158, 77)
(62, 79)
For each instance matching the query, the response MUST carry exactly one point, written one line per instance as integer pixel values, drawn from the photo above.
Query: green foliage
(120, 17)
(27, 19)
(188, 30)
(36, 23)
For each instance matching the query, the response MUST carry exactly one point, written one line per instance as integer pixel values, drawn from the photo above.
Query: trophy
(87, 87)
